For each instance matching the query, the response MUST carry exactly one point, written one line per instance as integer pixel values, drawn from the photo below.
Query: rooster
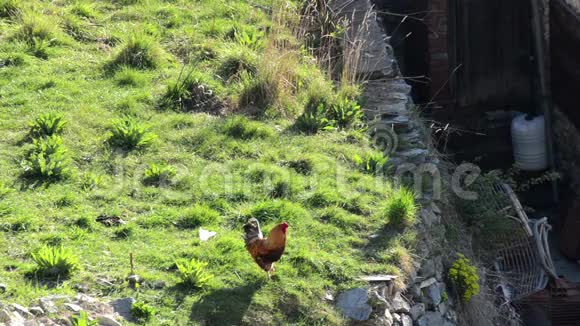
(265, 251)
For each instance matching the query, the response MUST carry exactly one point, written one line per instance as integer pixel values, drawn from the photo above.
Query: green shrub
(242, 128)
(303, 166)
(92, 181)
(12, 60)
(401, 207)
(159, 174)
(48, 159)
(9, 8)
(124, 232)
(190, 92)
(142, 311)
(128, 133)
(464, 278)
(47, 124)
(55, 261)
(193, 273)
(371, 162)
(139, 51)
(198, 215)
(83, 320)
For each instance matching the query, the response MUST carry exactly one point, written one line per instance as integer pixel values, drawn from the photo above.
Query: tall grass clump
(192, 91)
(128, 133)
(127, 76)
(193, 273)
(198, 215)
(235, 60)
(242, 128)
(36, 28)
(401, 208)
(9, 8)
(48, 159)
(47, 124)
(139, 51)
(55, 261)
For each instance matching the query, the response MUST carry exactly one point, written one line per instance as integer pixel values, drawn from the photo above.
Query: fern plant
(128, 133)
(314, 120)
(464, 277)
(46, 125)
(193, 272)
(159, 174)
(48, 159)
(55, 261)
(142, 311)
(83, 320)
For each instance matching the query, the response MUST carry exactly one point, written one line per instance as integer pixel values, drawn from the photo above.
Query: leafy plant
(312, 121)
(55, 261)
(464, 277)
(47, 124)
(4, 190)
(346, 113)
(371, 162)
(92, 181)
(253, 40)
(401, 207)
(128, 133)
(142, 311)
(83, 320)
(193, 272)
(48, 159)
(159, 174)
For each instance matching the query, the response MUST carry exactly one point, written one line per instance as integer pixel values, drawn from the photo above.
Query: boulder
(123, 307)
(400, 305)
(353, 304)
(22, 311)
(406, 320)
(37, 311)
(107, 321)
(432, 294)
(417, 311)
(73, 307)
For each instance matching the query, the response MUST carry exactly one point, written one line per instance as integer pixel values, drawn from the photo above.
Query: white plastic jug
(529, 142)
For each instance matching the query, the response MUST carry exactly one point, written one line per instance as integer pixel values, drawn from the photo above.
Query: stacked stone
(390, 107)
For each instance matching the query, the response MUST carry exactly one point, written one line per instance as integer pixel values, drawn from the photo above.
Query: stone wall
(390, 112)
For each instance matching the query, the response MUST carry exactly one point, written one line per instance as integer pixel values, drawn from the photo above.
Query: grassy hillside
(176, 115)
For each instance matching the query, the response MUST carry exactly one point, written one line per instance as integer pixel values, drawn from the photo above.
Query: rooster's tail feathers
(252, 230)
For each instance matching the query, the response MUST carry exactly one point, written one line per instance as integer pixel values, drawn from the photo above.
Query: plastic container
(529, 142)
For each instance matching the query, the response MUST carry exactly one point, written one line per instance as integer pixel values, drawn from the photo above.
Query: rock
(377, 301)
(353, 304)
(159, 284)
(83, 298)
(11, 318)
(406, 320)
(427, 282)
(417, 311)
(3, 287)
(427, 269)
(400, 305)
(37, 311)
(415, 291)
(387, 319)
(123, 307)
(108, 321)
(48, 305)
(23, 311)
(431, 318)
(432, 294)
(134, 280)
(377, 278)
(73, 307)
(429, 217)
(83, 288)
(442, 308)
(104, 282)
(396, 318)
(31, 322)
(435, 208)
(5, 316)
(328, 296)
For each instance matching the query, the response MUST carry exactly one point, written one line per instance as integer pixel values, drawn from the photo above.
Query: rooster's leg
(269, 276)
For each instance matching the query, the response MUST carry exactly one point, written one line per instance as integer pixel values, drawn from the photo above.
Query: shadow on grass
(224, 306)
(383, 239)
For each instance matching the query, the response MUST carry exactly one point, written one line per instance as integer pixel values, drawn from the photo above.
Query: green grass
(146, 112)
